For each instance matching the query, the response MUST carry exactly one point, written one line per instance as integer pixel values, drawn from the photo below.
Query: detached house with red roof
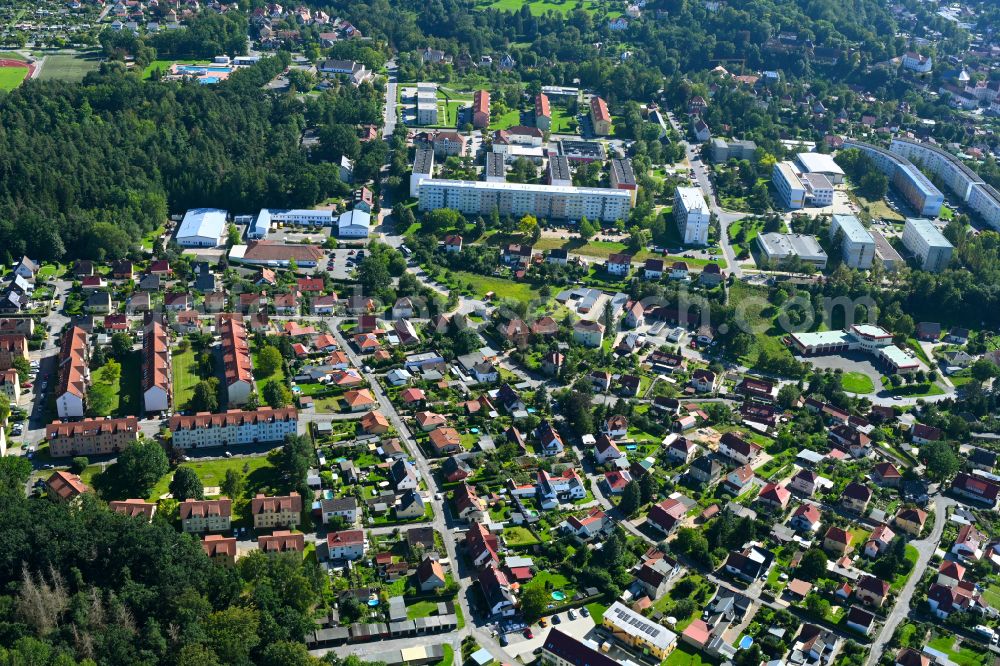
(206, 515)
(588, 526)
(837, 540)
(666, 515)
(65, 486)
(774, 497)
(976, 488)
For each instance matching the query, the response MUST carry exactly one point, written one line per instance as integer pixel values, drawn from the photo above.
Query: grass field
(539, 7)
(185, 377)
(64, 67)
(258, 471)
(562, 122)
(505, 121)
(857, 382)
(900, 580)
(11, 77)
(10, 55)
(519, 536)
(685, 655)
(758, 316)
(880, 209)
(963, 656)
(481, 285)
(916, 390)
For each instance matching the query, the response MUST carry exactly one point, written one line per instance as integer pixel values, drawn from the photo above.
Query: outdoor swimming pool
(746, 642)
(559, 595)
(203, 69)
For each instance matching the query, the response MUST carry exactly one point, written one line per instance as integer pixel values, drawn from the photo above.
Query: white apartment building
(929, 245)
(233, 427)
(952, 171)
(789, 187)
(905, 176)
(985, 200)
(516, 199)
(819, 189)
(423, 169)
(692, 215)
(857, 246)
(427, 104)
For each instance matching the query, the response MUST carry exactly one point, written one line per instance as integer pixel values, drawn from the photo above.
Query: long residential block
(157, 386)
(905, 176)
(74, 374)
(234, 427)
(542, 201)
(236, 359)
(92, 437)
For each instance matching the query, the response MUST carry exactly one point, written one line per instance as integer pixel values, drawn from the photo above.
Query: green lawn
(562, 122)
(916, 390)
(506, 120)
(127, 392)
(258, 470)
(685, 655)
(519, 536)
(150, 238)
(597, 612)
(991, 595)
(963, 656)
(10, 55)
(278, 374)
(481, 285)
(185, 377)
(900, 580)
(857, 382)
(449, 655)
(421, 609)
(67, 67)
(539, 7)
(11, 77)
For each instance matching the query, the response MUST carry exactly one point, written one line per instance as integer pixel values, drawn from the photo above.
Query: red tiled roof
(600, 109)
(73, 362)
(156, 358)
(58, 429)
(231, 417)
(235, 349)
(277, 504)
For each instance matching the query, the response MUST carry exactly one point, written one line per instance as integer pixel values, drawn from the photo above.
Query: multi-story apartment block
(928, 245)
(543, 112)
(12, 345)
(157, 386)
(236, 359)
(600, 117)
(233, 427)
(692, 216)
(517, 199)
(74, 374)
(623, 177)
(481, 109)
(427, 104)
(281, 511)
(905, 176)
(199, 516)
(857, 245)
(423, 169)
(789, 186)
(91, 437)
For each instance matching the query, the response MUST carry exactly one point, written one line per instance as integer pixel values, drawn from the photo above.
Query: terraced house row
(74, 374)
(236, 359)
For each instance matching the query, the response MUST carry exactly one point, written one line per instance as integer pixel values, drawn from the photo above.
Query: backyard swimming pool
(746, 642)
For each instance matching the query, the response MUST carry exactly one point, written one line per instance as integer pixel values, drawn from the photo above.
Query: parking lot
(520, 646)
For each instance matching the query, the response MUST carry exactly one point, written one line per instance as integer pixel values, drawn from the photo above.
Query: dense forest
(87, 169)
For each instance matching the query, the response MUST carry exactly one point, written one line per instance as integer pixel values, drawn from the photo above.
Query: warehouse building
(691, 215)
(775, 248)
(541, 201)
(857, 245)
(202, 227)
(927, 244)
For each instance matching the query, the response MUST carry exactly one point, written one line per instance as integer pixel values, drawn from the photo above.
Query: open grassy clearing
(185, 377)
(857, 382)
(258, 471)
(67, 67)
(11, 77)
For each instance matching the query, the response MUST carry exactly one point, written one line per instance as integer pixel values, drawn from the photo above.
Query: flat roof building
(558, 172)
(857, 245)
(692, 215)
(821, 163)
(427, 104)
(789, 187)
(819, 189)
(885, 252)
(582, 151)
(927, 244)
(777, 248)
(495, 172)
(542, 201)
(873, 340)
(423, 168)
(915, 187)
(623, 177)
(202, 227)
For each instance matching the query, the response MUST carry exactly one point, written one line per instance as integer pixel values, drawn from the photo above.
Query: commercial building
(543, 112)
(918, 191)
(423, 169)
(927, 244)
(582, 152)
(776, 249)
(557, 172)
(305, 217)
(355, 223)
(542, 201)
(857, 245)
(273, 254)
(692, 216)
(885, 252)
(872, 340)
(92, 437)
(233, 428)
(481, 109)
(821, 163)
(600, 117)
(74, 374)
(427, 104)
(639, 631)
(236, 359)
(623, 177)
(157, 386)
(202, 227)
(789, 187)
(495, 171)
(723, 151)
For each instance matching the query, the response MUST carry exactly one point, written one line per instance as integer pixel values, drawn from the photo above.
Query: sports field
(67, 67)
(12, 72)
(539, 7)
